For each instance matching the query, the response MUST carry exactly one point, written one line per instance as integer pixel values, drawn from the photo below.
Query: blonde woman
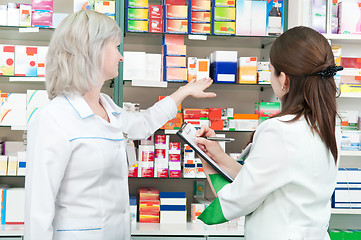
(77, 176)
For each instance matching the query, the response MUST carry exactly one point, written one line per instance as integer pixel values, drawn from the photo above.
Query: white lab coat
(285, 185)
(77, 171)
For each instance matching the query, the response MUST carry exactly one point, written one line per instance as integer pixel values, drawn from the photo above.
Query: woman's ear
(284, 81)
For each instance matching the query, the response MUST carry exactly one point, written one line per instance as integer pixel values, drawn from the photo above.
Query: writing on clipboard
(187, 133)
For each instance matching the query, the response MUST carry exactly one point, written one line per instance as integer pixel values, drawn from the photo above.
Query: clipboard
(188, 134)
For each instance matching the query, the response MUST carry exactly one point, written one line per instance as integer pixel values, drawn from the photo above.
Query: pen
(219, 139)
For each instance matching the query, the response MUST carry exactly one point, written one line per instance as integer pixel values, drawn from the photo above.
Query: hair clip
(330, 71)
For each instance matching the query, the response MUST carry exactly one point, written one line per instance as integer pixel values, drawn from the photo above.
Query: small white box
(7, 60)
(25, 15)
(202, 68)
(224, 56)
(173, 216)
(21, 163)
(42, 52)
(258, 18)
(3, 15)
(15, 206)
(3, 165)
(12, 165)
(26, 59)
(243, 17)
(13, 14)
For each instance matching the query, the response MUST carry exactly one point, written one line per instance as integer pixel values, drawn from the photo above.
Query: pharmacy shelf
(214, 86)
(23, 79)
(12, 230)
(351, 153)
(157, 229)
(351, 95)
(146, 38)
(167, 178)
(345, 211)
(186, 229)
(343, 38)
(174, 131)
(26, 33)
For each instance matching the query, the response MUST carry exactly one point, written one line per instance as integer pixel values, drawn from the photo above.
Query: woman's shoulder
(283, 123)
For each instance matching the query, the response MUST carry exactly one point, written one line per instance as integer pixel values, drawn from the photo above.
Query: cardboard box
(155, 11)
(200, 5)
(136, 26)
(200, 28)
(7, 58)
(137, 14)
(204, 17)
(175, 12)
(156, 25)
(224, 28)
(137, 3)
(176, 26)
(224, 14)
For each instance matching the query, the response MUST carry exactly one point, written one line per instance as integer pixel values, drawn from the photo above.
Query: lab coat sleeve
(142, 125)
(265, 170)
(48, 152)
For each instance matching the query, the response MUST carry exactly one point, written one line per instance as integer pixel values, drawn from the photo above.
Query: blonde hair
(75, 58)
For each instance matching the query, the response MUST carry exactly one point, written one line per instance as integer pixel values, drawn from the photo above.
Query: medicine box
(174, 50)
(223, 3)
(155, 25)
(136, 26)
(224, 14)
(224, 28)
(106, 7)
(204, 17)
(200, 5)
(243, 17)
(176, 62)
(176, 26)
(25, 15)
(42, 18)
(175, 12)
(155, 11)
(350, 141)
(13, 14)
(26, 61)
(247, 70)
(137, 14)
(202, 68)
(43, 5)
(200, 28)
(175, 74)
(137, 3)
(258, 18)
(349, 120)
(7, 58)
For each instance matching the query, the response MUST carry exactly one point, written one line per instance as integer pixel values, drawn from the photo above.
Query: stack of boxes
(267, 109)
(264, 73)
(348, 189)
(161, 156)
(223, 17)
(174, 160)
(15, 14)
(136, 16)
(148, 205)
(174, 58)
(42, 13)
(173, 207)
(22, 61)
(175, 16)
(351, 137)
(213, 17)
(156, 18)
(247, 70)
(200, 17)
(189, 161)
(196, 116)
(193, 167)
(146, 161)
(219, 118)
(176, 122)
(224, 66)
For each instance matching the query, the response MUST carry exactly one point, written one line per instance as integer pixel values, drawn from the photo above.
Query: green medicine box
(138, 3)
(224, 14)
(224, 3)
(137, 13)
(224, 28)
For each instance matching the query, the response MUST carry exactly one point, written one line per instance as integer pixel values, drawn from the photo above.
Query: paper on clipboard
(188, 134)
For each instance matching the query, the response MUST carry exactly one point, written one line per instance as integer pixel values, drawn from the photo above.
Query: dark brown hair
(299, 53)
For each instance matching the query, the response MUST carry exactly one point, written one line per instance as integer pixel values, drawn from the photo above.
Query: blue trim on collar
(81, 229)
(110, 139)
(77, 110)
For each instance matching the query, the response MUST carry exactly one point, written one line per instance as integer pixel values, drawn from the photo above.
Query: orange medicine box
(195, 113)
(148, 193)
(200, 5)
(204, 17)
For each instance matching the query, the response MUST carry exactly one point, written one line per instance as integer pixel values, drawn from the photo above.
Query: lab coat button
(122, 179)
(124, 212)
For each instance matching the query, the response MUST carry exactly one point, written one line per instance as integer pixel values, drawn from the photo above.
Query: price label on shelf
(29, 29)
